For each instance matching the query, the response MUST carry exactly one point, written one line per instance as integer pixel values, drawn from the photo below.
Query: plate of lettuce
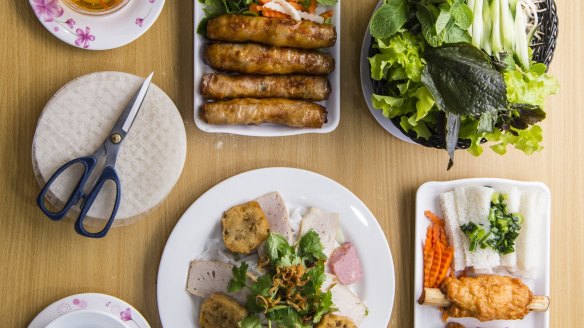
(461, 74)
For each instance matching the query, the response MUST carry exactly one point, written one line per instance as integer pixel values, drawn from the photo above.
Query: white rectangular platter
(427, 198)
(333, 104)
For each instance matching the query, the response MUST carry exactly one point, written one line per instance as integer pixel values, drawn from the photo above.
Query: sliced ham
(325, 224)
(345, 301)
(345, 264)
(209, 277)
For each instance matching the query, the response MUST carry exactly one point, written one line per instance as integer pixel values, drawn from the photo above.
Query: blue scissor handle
(109, 174)
(89, 163)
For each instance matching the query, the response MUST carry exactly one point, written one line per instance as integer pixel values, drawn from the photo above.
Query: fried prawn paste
(487, 297)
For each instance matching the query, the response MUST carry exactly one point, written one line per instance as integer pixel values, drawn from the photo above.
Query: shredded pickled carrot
(255, 8)
(327, 14)
(273, 13)
(313, 5)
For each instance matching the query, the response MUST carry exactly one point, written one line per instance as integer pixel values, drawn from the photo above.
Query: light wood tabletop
(42, 261)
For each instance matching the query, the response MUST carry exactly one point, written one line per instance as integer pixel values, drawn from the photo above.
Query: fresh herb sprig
(503, 230)
(289, 292)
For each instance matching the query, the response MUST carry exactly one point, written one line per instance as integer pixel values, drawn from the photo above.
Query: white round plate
(97, 32)
(367, 87)
(299, 188)
(91, 303)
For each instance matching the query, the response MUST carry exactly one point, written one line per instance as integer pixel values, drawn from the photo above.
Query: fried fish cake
(335, 321)
(221, 311)
(245, 227)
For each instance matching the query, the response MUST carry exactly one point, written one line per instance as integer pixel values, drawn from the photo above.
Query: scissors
(108, 153)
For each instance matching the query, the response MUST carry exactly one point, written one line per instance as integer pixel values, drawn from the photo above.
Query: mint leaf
(443, 20)
(389, 19)
(426, 19)
(462, 14)
(239, 280)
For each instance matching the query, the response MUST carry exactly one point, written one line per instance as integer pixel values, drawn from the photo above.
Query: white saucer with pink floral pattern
(95, 302)
(97, 32)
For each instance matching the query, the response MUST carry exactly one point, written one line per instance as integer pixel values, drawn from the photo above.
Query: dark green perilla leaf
(463, 81)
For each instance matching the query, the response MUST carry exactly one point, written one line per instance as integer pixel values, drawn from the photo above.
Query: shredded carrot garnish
(313, 5)
(273, 13)
(327, 14)
(254, 8)
(438, 254)
(263, 2)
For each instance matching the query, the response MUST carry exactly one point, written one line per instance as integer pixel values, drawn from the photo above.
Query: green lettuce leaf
(530, 87)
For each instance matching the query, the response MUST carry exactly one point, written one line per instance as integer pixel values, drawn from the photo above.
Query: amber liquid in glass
(96, 6)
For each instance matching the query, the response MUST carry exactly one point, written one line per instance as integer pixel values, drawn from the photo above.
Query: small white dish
(92, 310)
(427, 198)
(367, 87)
(87, 319)
(333, 104)
(299, 188)
(97, 32)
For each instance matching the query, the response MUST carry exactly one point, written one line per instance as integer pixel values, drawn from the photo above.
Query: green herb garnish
(504, 228)
(289, 292)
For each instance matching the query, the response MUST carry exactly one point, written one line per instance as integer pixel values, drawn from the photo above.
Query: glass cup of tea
(96, 7)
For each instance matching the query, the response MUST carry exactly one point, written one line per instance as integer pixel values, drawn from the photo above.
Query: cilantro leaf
(324, 306)
(250, 322)
(239, 280)
(277, 246)
(310, 247)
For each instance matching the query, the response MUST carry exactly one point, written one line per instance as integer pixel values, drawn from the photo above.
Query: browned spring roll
(253, 58)
(222, 86)
(272, 31)
(248, 111)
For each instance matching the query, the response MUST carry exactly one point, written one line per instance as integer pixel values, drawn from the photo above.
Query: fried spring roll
(257, 59)
(222, 86)
(272, 31)
(248, 111)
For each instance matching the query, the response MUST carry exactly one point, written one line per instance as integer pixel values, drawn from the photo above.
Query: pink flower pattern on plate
(48, 10)
(84, 37)
(70, 22)
(139, 21)
(126, 315)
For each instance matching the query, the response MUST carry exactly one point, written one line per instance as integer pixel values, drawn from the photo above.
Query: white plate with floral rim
(333, 104)
(300, 189)
(97, 32)
(90, 303)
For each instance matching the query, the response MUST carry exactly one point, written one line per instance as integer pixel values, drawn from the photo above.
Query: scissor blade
(135, 104)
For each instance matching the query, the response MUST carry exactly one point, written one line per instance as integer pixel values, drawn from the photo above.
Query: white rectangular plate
(427, 198)
(333, 104)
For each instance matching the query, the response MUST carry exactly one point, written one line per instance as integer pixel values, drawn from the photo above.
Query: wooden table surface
(43, 261)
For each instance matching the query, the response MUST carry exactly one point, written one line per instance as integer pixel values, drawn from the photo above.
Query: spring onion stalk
(487, 28)
(533, 16)
(471, 4)
(507, 26)
(496, 44)
(521, 44)
(477, 24)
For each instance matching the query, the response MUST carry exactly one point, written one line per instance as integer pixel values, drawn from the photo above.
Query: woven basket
(543, 52)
